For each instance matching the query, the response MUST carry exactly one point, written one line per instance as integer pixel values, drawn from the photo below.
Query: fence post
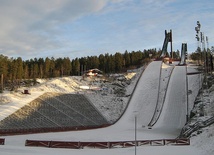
(79, 145)
(50, 144)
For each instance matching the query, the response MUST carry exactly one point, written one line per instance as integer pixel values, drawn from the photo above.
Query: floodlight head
(197, 29)
(199, 25)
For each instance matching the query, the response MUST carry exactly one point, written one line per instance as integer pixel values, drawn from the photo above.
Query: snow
(173, 115)
(143, 100)
(141, 107)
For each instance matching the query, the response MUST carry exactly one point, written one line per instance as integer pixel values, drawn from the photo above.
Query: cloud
(49, 27)
(32, 26)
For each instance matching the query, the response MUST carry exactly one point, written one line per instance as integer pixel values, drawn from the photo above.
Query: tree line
(16, 69)
(204, 57)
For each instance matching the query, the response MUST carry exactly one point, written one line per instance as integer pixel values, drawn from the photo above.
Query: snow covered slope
(142, 106)
(173, 116)
(144, 99)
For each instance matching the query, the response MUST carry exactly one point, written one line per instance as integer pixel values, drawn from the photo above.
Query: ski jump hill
(157, 105)
(159, 101)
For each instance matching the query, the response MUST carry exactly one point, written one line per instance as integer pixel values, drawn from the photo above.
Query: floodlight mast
(197, 29)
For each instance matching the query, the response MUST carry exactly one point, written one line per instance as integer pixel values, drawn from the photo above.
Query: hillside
(110, 97)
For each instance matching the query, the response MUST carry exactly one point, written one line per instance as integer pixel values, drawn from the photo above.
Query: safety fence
(2, 141)
(106, 145)
(188, 130)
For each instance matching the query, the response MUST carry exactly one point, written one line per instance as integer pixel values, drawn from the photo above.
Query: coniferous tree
(118, 62)
(35, 69)
(52, 67)
(136, 57)
(111, 64)
(31, 68)
(127, 59)
(59, 67)
(25, 71)
(4, 65)
(102, 62)
(95, 62)
(107, 65)
(76, 67)
(41, 67)
(14, 70)
(19, 63)
(196, 56)
(67, 66)
(47, 67)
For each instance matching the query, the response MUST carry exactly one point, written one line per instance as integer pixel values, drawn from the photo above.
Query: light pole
(135, 127)
(187, 95)
(135, 134)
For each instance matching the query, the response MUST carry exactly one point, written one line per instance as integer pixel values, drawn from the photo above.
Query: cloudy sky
(78, 28)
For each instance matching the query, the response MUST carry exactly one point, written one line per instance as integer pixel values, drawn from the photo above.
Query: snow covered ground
(142, 106)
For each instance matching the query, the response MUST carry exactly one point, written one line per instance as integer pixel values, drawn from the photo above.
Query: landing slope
(173, 116)
(144, 99)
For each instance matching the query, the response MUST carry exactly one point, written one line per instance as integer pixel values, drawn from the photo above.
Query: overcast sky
(79, 28)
